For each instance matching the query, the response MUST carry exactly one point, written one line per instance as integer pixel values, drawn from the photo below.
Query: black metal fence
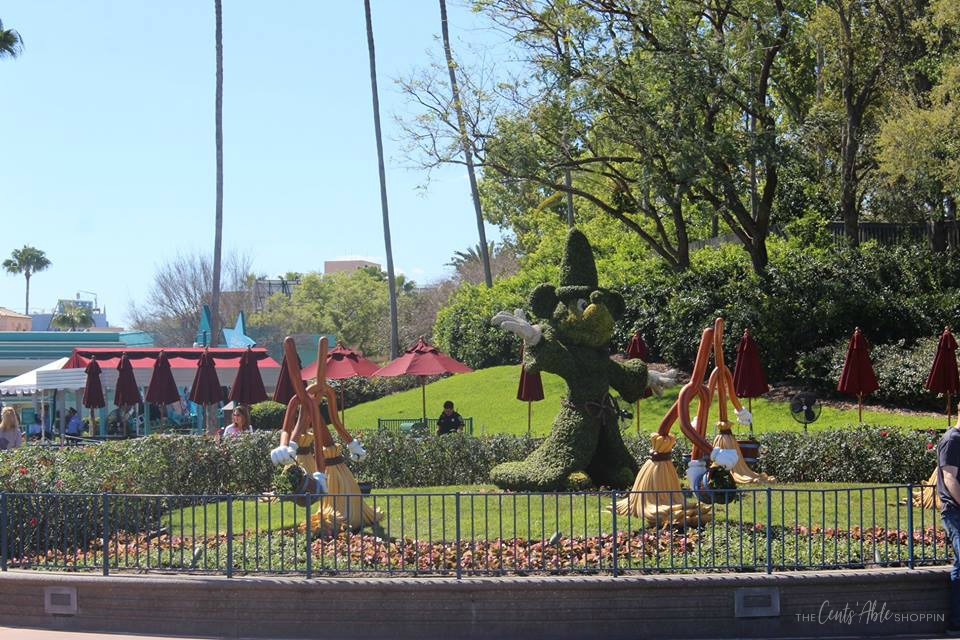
(456, 534)
(898, 233)
(417, 426)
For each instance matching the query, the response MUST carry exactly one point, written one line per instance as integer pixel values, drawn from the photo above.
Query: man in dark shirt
(948, 490)
(449, 421)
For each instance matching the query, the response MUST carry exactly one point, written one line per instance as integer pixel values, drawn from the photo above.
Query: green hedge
(184, 465)
(810, 298)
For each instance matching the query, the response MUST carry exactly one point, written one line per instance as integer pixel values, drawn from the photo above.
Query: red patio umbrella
(749, 380)
(284, 389)
(530, 389)
(247, 386)
(422, 359)
(638, 349)
(206, 386)
(342, 363)
(93, 391)
(127, 393)
(857, 377)
(162, 389)
(943, 376)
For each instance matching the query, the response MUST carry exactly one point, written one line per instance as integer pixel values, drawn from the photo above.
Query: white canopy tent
(26, 384)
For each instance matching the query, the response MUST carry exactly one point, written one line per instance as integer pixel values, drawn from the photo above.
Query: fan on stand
(805, 409)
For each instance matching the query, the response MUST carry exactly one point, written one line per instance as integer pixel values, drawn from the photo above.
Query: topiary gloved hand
(658, 381)
(517, 323)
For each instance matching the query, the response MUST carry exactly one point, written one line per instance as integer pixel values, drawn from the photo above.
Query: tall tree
(391, 282)
(645, 106)
(11, 44)
(28, 261)
(464, 142)
(218, 233)
(864, 41)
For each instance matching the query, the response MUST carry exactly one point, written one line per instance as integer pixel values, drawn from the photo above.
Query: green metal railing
(417, 426)
(765, 529)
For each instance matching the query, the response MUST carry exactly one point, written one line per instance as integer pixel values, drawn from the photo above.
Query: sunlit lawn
(489, 397)
(430, 512)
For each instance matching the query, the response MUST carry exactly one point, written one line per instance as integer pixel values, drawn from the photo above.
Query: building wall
(14, 323)
(336, 266)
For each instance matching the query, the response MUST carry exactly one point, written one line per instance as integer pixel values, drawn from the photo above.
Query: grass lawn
(489, 396)
(429, 513)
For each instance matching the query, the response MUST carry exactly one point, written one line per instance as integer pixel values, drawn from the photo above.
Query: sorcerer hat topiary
(578, 271)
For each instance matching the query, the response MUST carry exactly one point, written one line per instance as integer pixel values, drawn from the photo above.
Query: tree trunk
(848, 181)
(467, 155)
(758, 255)
(218, 233)
(391, 282)
(26, 303)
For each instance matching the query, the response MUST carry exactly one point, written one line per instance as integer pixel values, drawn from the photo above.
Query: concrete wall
(695, 606)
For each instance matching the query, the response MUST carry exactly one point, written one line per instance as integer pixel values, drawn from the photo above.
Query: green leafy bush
(901, 371)
(356, 390)
(267, 415)
(855, 454)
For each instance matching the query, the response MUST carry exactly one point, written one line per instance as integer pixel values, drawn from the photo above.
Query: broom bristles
(926, 497)
(656, 496)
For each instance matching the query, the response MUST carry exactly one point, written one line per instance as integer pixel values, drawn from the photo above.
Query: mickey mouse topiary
(573, 342)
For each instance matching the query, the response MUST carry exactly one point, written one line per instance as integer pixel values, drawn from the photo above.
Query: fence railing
(898, 233)
(417, 426)
(456, 534)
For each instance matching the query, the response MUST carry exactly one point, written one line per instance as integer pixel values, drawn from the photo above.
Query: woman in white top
(241, 422)
(10, 436)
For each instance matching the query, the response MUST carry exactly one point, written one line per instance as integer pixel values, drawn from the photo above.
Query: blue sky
(107, 124)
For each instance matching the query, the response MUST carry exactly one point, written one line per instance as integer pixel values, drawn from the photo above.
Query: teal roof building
(22, 351)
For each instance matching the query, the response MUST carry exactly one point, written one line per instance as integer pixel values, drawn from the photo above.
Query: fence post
(910, 525)
(309, 535)
(230, 536)
(457, 510)
(613, 511)
(769, 530)
(3, 531)
(106, 534)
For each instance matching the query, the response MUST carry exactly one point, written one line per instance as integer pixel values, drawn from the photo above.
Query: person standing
(241, 422)
(10, 436)
(948, 490)
(449, 421)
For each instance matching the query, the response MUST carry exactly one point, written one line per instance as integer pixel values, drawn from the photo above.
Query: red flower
(23, 471)
(883, 433)
(929, 445)
(33, 522)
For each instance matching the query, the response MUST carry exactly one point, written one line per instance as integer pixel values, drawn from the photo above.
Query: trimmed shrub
(267, 415)
(855, 454)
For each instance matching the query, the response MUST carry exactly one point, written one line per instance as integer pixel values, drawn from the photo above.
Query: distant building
(44, 321)
(337, 266)
(12, 321)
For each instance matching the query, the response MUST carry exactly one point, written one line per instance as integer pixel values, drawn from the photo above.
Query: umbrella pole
(529, 415)
(860, 407)
(750, 409)
(423, 391)
(949, 410)
(343, 411)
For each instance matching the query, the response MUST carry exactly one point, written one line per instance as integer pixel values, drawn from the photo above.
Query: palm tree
(218, 234)
(467, 155)
(11, 44)
(72, 317)
(28, 261)
(391, 281)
